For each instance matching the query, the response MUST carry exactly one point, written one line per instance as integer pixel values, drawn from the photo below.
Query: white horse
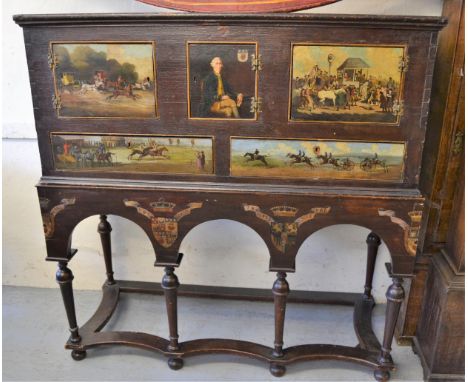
(326, 94)
(86, 88)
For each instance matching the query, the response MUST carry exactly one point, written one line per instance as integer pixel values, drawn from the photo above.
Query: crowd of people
(367, 90)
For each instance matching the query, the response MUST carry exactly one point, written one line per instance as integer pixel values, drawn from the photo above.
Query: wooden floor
(32, 334)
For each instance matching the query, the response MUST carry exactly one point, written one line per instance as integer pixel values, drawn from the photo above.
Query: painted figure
(218, 97)
(361, 83)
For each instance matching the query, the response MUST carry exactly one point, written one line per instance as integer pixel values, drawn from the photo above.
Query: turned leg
(170, 283)
(64, 277)
(373, 242)
(104, 229)
(395, 295)
(280, 294)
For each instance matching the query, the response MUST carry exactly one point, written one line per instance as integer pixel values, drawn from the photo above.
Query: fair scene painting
(317, 159)
(118, 153)
(105, 79)
(347, 83)
(222, 84)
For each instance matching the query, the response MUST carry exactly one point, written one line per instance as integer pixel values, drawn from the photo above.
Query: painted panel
(222, 80)
(133, 153)
(317, 159)
(347, 83)
(105, 79)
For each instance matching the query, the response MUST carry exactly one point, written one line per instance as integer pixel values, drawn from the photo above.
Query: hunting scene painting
(222, 80)
(347, 83)
(317, 159)
(117, 153)
(105, 80)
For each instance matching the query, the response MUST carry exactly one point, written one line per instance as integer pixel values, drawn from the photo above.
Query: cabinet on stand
(286, 123)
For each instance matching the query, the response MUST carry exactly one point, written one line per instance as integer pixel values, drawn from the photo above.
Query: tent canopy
(353, 63)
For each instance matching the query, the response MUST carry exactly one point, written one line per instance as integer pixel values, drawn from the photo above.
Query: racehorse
(329, 160)
(154, 152)
(253, 157)
(299, 159)
(103, 158)
(323, 158)
(127, 92)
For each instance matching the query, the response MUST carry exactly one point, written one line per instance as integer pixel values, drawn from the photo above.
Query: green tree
(86, 61)
(63, 58)
(127, 71)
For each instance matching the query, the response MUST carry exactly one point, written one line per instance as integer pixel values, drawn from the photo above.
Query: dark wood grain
(386, 208)
(239, 6)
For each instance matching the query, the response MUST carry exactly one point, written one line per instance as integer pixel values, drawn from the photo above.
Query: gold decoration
(162, 206)
(165, 228)
(256, 62)
(283, 234)
(411, 231)
(48, 218)
(52, 59)
(284, 211)
(56, 102)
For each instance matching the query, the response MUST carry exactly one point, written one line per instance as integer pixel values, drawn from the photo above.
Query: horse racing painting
(110, 80)
(133, 153)
(347, 83)
(309, 159)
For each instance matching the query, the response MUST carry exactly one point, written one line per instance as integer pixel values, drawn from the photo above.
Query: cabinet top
(363, 21)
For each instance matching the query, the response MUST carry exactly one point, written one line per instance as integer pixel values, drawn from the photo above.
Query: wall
(237, 255)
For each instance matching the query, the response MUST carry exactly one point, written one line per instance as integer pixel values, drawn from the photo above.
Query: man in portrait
(218, 98)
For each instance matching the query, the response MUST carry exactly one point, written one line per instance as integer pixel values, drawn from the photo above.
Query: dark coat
(209, 96)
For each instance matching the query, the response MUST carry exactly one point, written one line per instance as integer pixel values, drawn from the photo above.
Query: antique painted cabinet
(286, 123)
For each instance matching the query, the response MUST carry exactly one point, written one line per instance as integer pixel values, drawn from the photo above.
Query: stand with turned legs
(136, 117)
(369, 352)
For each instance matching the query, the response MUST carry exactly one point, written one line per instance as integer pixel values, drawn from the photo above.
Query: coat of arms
(283, 234)
(165, 228)
(242, 55)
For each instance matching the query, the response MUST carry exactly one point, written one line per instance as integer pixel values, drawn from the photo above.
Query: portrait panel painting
(222, 80)
(347, 83)
(317, 159)
(133, 153)
(110, 80)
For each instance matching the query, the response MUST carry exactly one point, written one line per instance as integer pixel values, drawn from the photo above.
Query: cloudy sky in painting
(280, 148)
(140, 55)
(383, 61)
(137, 140)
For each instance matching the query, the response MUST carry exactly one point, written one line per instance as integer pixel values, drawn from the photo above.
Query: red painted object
(239, 6)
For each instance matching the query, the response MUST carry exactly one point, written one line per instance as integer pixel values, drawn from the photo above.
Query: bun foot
(277, 370)
(175, 363)
(78, 355)
(382, 375)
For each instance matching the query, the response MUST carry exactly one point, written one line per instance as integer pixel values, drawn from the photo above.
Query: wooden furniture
(439, 337)
(286, 123)
(240, 6)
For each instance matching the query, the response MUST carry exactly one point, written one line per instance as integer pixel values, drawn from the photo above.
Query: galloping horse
(299, 159)
(127, 91)
(154, 152)
(253, 157)
(329, 160)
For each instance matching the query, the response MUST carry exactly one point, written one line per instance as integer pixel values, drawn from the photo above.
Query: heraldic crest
(165, 228)
(283, 233)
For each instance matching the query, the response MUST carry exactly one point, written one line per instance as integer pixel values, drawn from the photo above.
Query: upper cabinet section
(266, 98)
